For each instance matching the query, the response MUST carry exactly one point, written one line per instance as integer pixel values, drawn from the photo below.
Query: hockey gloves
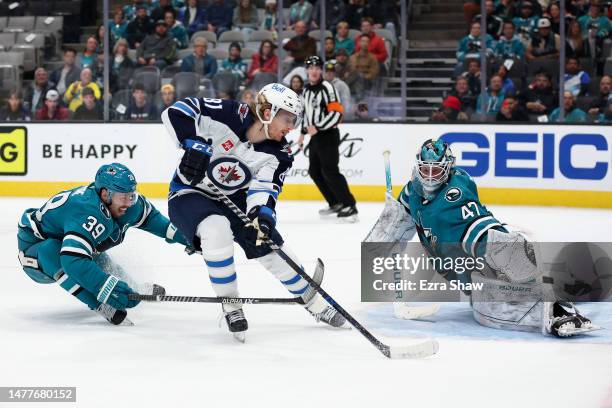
(264, 221)
(195, 160)
(115, 292)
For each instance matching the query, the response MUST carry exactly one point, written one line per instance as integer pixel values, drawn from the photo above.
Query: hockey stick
(226, 300)
(424, 349)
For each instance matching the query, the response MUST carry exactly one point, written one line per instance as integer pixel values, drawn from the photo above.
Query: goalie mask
(433, 164)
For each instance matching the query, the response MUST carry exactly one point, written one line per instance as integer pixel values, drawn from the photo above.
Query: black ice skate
(330, 316)
(348, 214)
(565, 320)
(114, 316)
(237, 324)
(330, 211)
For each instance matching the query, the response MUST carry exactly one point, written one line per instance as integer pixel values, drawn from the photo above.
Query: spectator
(575, 81)
(157, 49)
(384, 13)
(470, 47)
(539, 98)
(264, 61)
(509, 45)
(200, 62)
(74, 94)
(606, 116)
(301, 10)
(329, 52)
(494, 23)
(545, 44)
(462, 92)
(343, 69)
(574, 43)
(342, 88)
(507, 83)
(159, 12)
(87, 59)
(34, 94)
(14, 111)
(335, 11)
(139, 108)
(297, 84)
(472, 75)
(376, 43)
(100, 32)
(366, 68)
(139, 28)
(355, 12)
(177, 30)
(505, 10)
(130, 11)
(168, 97)
(342, 38)
(594, 24)
(450, 111)
(193, 17)
(121, 67)
(268, 22)
(219, 16)
(526, 23)
(245, 17)
(511, 111)
(117, 27)
(554, 15)
(70, 72)
(601, 101)
(234, 63)
(90, 109)
(52, 110)
(248, 97)
(573, 114)
(495, 97)
(301, 46)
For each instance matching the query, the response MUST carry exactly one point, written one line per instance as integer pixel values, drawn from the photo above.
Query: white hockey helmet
(276, 97)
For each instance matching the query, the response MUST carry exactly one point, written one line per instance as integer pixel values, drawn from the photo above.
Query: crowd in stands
(522, 50)
(226, 48)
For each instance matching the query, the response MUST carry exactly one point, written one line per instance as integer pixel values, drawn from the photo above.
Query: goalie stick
(422, 349)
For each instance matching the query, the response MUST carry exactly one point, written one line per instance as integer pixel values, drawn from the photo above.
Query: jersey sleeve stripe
(145, 213)
(80, 240)
(183, 107)
(170, 232)
(74, 251)
(270, 192)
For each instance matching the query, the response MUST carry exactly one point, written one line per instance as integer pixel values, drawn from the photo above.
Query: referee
(322, 113)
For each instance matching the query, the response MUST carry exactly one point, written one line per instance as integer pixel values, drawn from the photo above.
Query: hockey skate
(323, 312)
(348, 214)
(564, 320)
(236, 323)
(330, 211)
(114, 316)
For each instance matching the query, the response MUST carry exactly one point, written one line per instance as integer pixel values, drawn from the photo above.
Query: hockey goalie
(440, 203)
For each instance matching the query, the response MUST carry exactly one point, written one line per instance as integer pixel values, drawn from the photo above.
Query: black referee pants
(324, 158)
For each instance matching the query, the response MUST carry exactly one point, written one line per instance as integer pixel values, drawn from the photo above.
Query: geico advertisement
(520, 156)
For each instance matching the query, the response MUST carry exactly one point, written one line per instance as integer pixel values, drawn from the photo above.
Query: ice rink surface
(177, 356)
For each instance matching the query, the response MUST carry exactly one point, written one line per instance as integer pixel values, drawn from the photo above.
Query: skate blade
(239, 336)
(348, 220)
(572, 331)
(126, 322)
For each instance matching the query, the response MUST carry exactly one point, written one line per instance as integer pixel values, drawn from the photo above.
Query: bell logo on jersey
(227, 145)
(452, 195)
(13, 151)
(228, 173)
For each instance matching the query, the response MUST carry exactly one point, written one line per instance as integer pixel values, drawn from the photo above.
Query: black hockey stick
(423, 349)
(210, 299)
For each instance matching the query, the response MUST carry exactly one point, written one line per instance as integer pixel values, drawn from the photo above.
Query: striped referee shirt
(322, 107)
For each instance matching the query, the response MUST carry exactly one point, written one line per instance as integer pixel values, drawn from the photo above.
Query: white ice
(177, 356)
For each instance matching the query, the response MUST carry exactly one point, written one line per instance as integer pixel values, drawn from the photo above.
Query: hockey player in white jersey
(242, 150)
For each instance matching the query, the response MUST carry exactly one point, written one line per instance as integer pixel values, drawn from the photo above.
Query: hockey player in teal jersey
(451, 222)
(64, 240)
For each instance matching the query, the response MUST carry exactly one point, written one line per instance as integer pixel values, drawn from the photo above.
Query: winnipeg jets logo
(453, 194)
(229, 173)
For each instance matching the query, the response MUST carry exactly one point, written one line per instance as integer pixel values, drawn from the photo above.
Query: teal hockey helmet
(116, 178)
(433, 165)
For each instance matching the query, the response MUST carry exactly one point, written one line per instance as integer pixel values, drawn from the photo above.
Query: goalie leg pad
(511, 255)
(394, 224)
(522, 310)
